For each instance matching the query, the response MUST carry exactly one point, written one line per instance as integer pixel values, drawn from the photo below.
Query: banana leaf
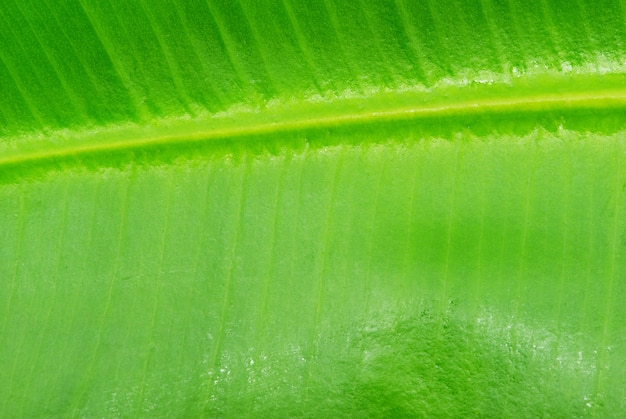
(253, 208)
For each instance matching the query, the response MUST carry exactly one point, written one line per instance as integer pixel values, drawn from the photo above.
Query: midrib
(284, 119)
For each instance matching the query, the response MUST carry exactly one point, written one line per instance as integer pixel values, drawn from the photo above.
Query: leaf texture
(312, 209)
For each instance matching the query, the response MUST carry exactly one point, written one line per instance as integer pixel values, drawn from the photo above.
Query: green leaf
(312, 209)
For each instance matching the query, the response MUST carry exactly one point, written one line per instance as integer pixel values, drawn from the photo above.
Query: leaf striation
(312, 209)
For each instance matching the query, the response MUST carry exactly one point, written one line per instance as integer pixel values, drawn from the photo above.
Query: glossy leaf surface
(312, 209)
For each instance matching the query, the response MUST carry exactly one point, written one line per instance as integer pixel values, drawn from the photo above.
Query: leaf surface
(312, 209)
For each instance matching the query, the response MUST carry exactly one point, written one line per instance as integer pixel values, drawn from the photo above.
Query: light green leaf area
(312, 209)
